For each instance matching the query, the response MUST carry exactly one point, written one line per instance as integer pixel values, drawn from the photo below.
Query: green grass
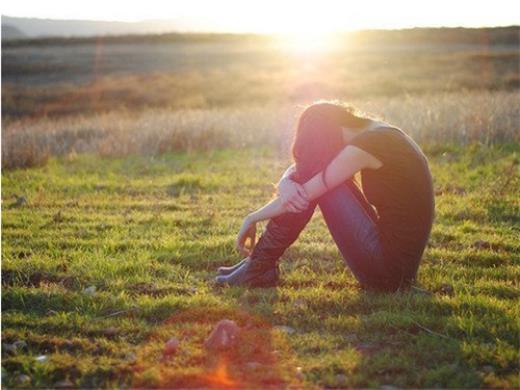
(149, 233)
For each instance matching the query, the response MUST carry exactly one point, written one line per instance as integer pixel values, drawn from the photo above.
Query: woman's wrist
(250, 218)
(272, 209)
(283, 183)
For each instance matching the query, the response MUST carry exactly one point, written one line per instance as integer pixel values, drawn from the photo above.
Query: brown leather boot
(251, 274)
(261, 268)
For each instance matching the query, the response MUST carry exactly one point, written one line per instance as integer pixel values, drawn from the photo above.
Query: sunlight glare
(307, 42)
(305, 31)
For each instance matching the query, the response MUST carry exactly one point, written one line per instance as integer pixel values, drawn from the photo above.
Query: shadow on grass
(410, 338)
(254, 360)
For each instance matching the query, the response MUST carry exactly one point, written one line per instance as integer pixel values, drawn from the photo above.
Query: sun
(307, 41)
(305, 31)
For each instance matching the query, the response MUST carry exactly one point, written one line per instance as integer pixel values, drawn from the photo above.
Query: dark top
(401, 191)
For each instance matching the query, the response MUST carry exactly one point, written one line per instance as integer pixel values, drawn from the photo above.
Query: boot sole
(268, 279)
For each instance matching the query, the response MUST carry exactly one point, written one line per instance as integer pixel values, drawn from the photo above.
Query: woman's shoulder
(385, 142)
(381, 132)
(386, 128)
(397, 138)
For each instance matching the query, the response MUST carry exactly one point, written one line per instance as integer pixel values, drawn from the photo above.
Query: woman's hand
(293, 196)
(248, 230)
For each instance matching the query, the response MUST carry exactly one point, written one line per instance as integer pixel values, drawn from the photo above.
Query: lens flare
(307, 42)
(220, 376)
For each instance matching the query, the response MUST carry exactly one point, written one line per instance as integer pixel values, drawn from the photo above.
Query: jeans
(352, 223)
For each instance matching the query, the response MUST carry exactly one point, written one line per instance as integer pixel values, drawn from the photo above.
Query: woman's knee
(347, 197)
(345, 215)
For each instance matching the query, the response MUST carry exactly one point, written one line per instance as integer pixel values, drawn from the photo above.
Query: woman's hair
(318, 137)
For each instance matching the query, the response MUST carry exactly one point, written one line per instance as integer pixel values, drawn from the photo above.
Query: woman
(382, 247)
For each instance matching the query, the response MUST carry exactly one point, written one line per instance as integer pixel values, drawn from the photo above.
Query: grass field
(149, 231)
(461, 118)
(72, 76)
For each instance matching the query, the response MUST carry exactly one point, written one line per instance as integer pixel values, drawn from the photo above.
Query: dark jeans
(353, 225)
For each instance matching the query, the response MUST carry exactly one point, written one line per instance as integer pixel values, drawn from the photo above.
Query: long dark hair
(318, 137)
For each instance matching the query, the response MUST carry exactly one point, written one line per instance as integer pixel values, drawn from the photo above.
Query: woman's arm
(270, 210)
(349, 161)
(282, 203)
(248, 229)
(287, 174)
(345, 165)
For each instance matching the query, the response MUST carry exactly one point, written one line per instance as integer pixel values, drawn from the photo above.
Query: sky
(279, 16)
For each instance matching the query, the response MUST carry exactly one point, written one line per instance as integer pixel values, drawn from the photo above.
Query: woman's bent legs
(353, 225)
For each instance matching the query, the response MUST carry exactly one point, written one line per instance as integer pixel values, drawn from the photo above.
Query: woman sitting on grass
(382, 247)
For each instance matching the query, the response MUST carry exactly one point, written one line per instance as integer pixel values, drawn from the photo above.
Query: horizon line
(239, 32)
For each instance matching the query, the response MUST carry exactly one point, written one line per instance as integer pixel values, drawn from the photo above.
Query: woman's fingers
(300, 199)
(244, 234)
(241, 238)
(292, 208)
(302, 193)
(301, 204)
(252, 238)
(241, 247)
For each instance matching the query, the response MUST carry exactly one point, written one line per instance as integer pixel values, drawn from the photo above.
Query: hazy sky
(279, 15)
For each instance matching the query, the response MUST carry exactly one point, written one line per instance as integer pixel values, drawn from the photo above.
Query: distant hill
(20, 31)
(11, 32)
(37, 28)
(483, 36)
